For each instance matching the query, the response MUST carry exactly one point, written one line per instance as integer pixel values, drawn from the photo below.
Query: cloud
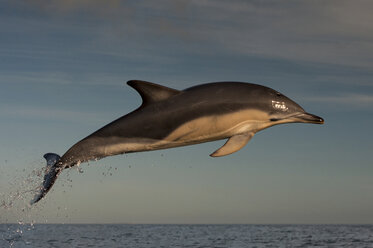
(351, 100)
(48, 113)
(61, 78)
(335, 32)
(332, 32)
(73, 6)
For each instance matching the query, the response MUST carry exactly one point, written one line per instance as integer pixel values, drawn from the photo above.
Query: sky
(63, 72)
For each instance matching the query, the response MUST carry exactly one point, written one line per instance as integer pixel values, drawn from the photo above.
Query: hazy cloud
(352, 100)
(334, 32)
(73, 6)
(48, 113)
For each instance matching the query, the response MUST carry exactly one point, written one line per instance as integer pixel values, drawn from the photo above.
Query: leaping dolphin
(171, 118)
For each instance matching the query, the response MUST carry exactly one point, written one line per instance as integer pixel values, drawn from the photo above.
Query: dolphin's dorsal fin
(233, 144)
(151, 92)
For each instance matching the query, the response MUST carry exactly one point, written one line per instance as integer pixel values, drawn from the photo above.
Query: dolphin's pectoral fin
(151, 92)
(233, 144)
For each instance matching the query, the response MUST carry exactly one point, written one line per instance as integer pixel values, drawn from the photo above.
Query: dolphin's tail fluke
(52, 170)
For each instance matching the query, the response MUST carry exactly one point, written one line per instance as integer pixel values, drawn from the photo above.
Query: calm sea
(157, 236)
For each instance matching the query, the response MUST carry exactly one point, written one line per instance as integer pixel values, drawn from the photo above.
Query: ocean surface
(158, 236)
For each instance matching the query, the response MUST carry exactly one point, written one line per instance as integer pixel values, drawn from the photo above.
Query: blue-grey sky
(63, 68)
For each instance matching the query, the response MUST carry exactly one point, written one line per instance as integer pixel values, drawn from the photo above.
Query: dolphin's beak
(309, 118)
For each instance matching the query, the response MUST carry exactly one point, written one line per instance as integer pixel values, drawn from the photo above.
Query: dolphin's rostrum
(171, 118)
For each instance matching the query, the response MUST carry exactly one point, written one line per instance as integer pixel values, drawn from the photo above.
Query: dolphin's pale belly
(217, 127)
(203, 129)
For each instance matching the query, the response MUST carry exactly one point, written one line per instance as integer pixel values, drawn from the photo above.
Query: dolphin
(171, 118)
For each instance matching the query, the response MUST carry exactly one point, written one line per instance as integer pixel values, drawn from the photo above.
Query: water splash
(18, 188)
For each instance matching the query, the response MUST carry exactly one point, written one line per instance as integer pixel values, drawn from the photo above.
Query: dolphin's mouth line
(303, 117)
(287, 117)
(310, 118)
(306, 118)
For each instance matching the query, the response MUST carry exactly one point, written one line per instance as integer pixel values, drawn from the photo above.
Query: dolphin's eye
(278, 94)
